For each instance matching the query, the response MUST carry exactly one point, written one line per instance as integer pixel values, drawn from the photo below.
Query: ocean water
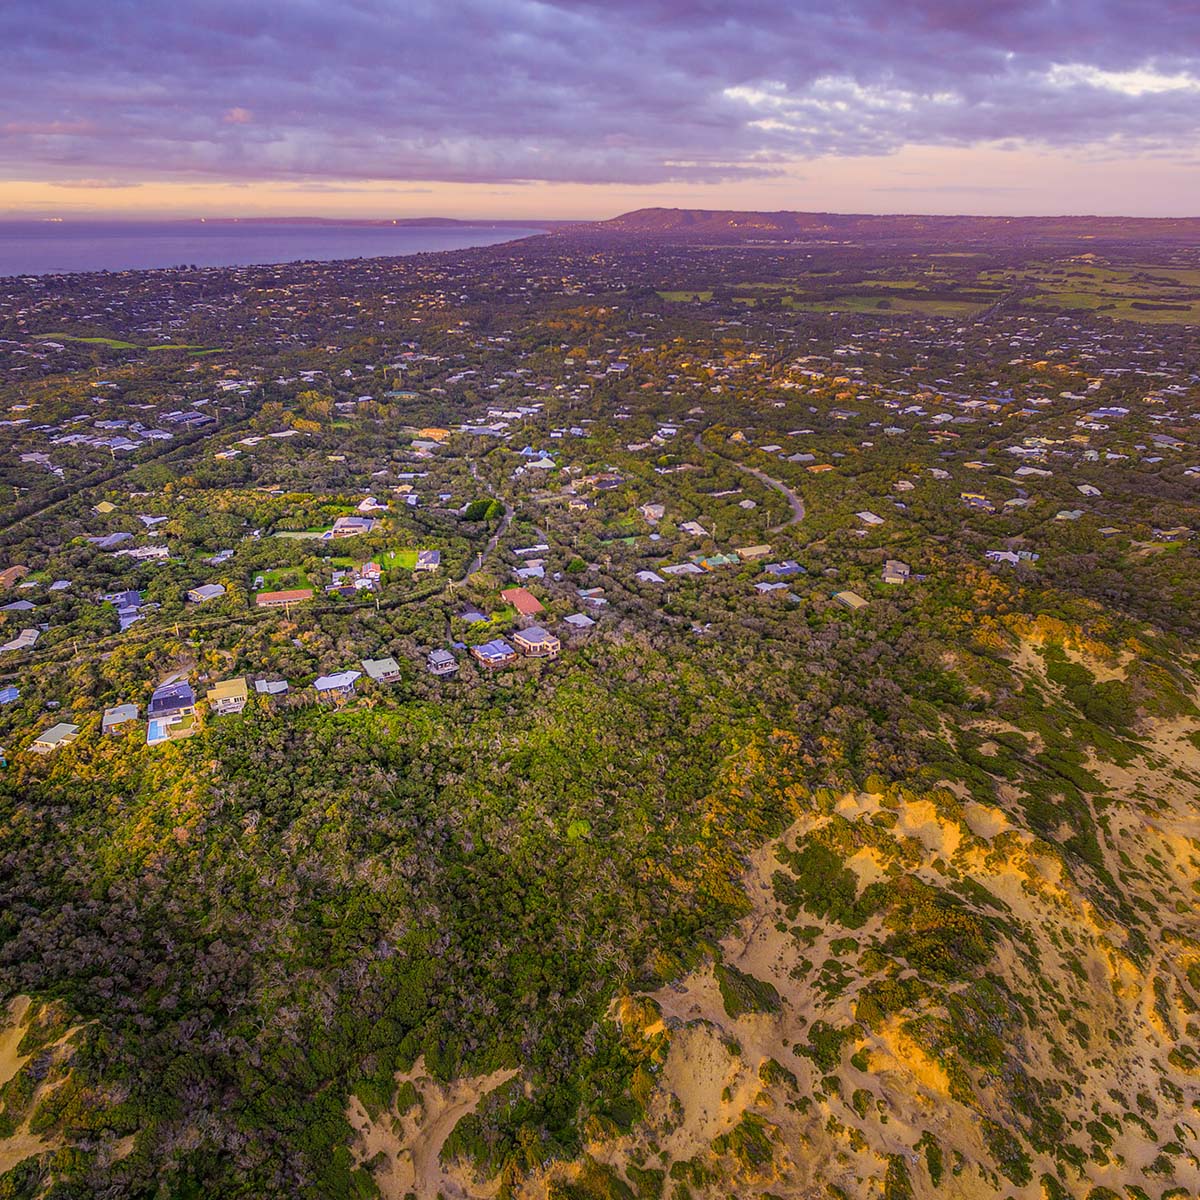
(48, 247)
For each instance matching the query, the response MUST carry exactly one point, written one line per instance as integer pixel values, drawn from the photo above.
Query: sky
(584, 109)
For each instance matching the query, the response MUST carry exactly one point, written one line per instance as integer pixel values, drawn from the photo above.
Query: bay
(52, 247)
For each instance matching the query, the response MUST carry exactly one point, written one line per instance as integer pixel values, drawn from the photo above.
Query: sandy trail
(411, 1145)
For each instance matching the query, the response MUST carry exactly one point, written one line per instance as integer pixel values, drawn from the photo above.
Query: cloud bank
(610, 91)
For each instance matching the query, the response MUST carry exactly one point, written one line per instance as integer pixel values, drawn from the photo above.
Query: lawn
(282, 579)
(398, 560)
(906, 306)
(1118, 292)
(95, 341)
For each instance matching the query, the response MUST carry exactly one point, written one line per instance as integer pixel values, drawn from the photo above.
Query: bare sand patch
(405, 1149)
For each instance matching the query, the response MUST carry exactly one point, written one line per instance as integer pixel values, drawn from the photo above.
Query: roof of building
(285, 597)
(270, 687)
(496, 648)
(228, 689)
(358, 524)
(56, 735)
(169, 697)
(525, 602)
(336, 681)
(535, 635)
(380, 668)
(119, 714)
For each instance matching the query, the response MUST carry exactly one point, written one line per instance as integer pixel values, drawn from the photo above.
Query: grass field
(118, 344)
(282, 579)
(1154, 295)
(398, 560)
(894, 296)
(904, 305)
(1150, 294)
(113, 343)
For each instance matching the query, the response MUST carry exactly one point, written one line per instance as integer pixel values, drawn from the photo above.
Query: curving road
(793, 498)
(477, 562)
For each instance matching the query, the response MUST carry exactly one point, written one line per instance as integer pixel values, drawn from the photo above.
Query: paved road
(477, 562)
(793, 498)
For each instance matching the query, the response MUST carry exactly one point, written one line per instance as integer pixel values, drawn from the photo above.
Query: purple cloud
(577, 90)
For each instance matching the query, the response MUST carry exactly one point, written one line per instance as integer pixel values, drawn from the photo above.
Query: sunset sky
(508, 108)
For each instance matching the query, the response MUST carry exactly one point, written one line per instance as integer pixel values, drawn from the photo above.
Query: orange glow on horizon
(982, 180)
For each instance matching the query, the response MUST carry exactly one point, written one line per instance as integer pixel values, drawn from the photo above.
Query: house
(206, 591)
(270, 687)
(869, 518)
(649, 577)
(115, 717)
(109, 541)
(851, 600)
(710, 562)
(282, 599)
(526, 603)
(536, 642)
(579, 621)
(977, 500)
(382, 670)
(895, 571)
(1002, 556)
(442, 662)
(171, 713)
(496, 653)
(62, 734)
(351, 526)
(9, 694)
(24, 640)
(652, 512)
(228, 696)
(337, 686)
(428, 560)
(10, 575)
(1180, 533)
(785, 570)
(750, 553)
(371, 572)
(764, 586)
(128, 606)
